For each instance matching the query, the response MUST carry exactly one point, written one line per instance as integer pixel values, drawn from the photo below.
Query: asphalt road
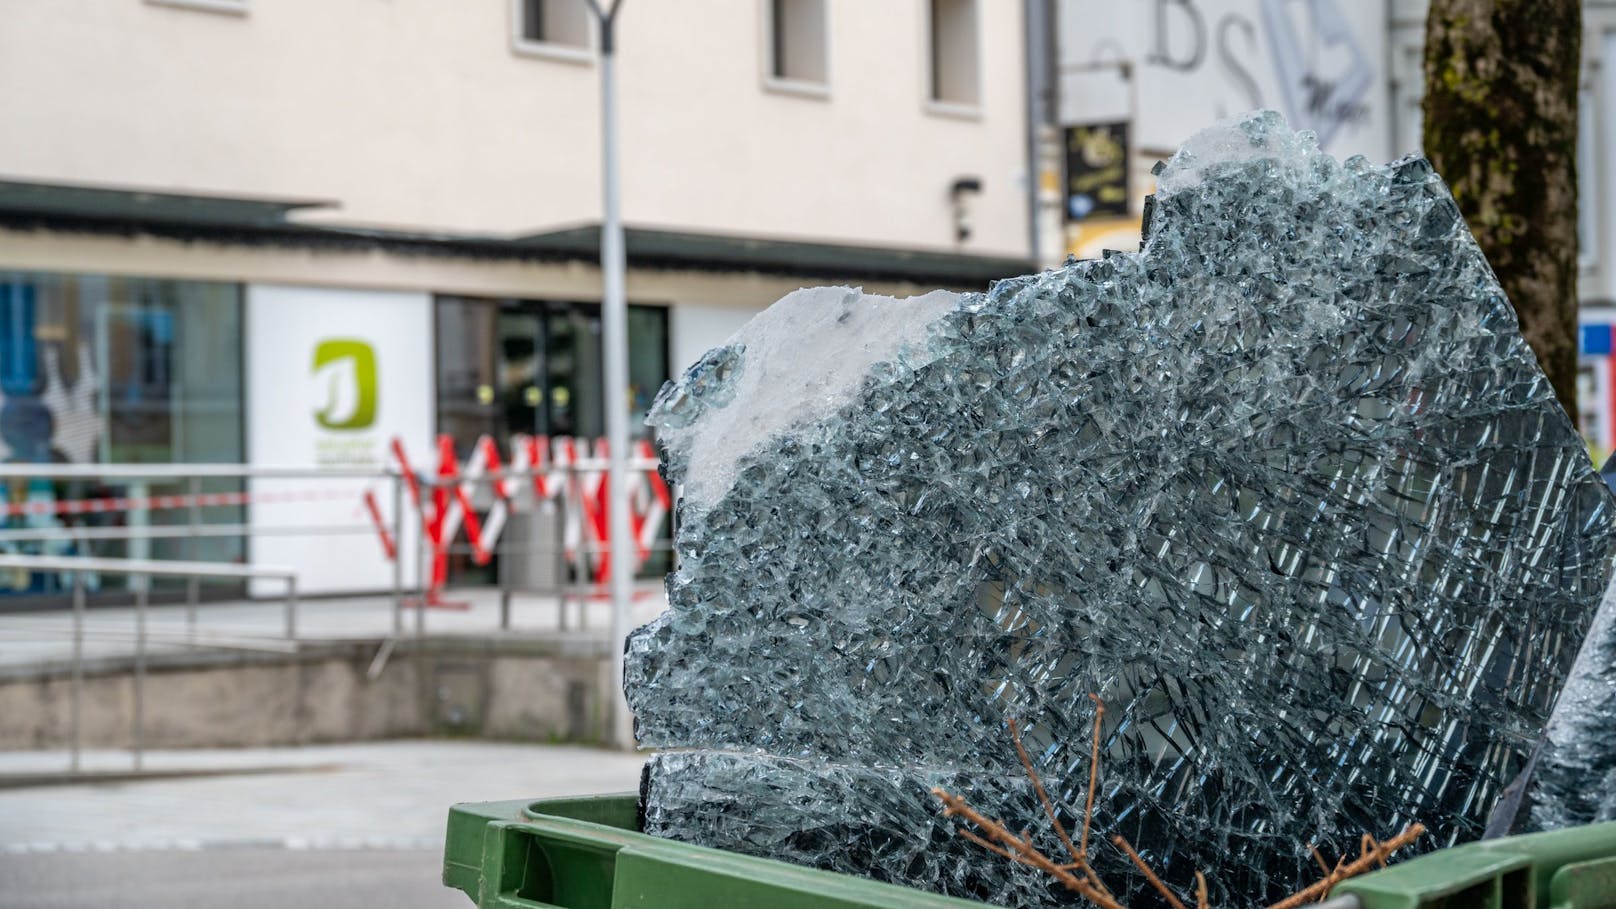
(321, 827)
(239, 878)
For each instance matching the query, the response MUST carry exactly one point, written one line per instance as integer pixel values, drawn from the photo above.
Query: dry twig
(1019, 849)
(1079, 876)
(1148, 872)
(1372, 853)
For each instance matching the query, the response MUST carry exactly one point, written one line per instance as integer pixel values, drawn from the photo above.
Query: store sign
(332, 377)
(1596, 380)
(1096, 170)
(349, 365)
(1319, 62)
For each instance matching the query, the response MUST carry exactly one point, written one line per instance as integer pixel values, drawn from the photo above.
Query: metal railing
(192, 475)
(194, 572)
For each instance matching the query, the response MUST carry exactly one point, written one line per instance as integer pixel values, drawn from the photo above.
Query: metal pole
(420, 584)
(398, 553)
(77, 733)
(193, 586)
(614, 323)
(291, 607)
(139, 736)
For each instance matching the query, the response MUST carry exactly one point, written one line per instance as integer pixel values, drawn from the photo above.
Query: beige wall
(419, 114)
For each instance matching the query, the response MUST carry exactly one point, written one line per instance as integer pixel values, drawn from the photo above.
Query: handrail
(185, 471)
(178, 531)
(145, 567)
(78, 565)
(249, 471)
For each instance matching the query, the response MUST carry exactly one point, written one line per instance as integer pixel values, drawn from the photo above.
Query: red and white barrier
(557, 471)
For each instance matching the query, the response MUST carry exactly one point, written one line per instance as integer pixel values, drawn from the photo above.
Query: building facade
(286, 232)
(1130, 85)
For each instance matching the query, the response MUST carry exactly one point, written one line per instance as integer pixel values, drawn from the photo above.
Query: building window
(536, 367)
(234, 7)
(953, 54)
(797, 44)
(554, 28)
(96, 369)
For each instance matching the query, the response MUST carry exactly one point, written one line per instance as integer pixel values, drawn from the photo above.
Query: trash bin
(531, 558)
(587, 853)
(1562, 869)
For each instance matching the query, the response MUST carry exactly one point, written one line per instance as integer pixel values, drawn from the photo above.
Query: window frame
(787, 85)
(523, 46)
(932, 104)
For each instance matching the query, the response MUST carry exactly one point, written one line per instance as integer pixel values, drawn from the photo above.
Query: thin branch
(1150, 875)
(1094, 769)
(996, 850)
(1038, 787)
(1021, 850)
(1080, 877)
(1324, 866)
(1369, 858)
(1368, 845)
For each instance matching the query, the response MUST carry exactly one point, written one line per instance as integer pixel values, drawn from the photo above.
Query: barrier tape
(556, 474)
(389, 545)
(165, 503)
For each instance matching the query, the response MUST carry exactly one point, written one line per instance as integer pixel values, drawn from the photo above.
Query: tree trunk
(1501, 127)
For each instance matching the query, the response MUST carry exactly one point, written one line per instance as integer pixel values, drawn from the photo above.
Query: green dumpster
(587, 853)
(1561, 869)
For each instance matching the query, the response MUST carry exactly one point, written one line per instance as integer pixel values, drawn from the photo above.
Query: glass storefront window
(523, 366)
(99, 369)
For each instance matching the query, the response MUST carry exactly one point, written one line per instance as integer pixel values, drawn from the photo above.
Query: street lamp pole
(614, 324)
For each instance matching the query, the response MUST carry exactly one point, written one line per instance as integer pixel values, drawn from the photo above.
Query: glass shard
(1286, 488)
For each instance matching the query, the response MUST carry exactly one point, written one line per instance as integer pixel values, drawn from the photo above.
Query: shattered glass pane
(1573, 780)
(1286, 489)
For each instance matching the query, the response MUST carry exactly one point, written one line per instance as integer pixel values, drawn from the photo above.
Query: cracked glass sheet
(1286, 489)
(1574, 778)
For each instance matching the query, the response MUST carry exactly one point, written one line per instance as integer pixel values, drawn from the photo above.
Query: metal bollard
(398, 554)
(77, 730)
(139, 733)
(193, 586)
(291, 607)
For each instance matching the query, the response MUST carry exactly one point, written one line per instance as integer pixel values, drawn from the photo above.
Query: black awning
(249, 221)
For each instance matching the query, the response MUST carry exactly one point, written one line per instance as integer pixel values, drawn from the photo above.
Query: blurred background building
(284, 232)
(1133, 80)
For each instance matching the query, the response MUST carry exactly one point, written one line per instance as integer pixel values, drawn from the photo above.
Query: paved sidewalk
(393, 795)
(36, 638)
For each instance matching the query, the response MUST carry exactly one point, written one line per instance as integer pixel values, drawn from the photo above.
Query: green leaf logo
(348, 366)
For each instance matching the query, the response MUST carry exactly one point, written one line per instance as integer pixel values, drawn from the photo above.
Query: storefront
(534, 367)
(144, 336)
(114, 370)
(99, 369)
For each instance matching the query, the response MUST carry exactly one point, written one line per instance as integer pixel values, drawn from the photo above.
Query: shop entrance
(507, 367)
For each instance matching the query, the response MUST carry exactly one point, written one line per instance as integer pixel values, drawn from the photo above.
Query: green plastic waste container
(586, 853)
(1561, 869)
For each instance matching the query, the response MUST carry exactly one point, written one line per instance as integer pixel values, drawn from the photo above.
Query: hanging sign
(1096, 170)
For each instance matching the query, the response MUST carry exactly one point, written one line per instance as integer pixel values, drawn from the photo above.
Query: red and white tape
(557, 471)
(164, 503)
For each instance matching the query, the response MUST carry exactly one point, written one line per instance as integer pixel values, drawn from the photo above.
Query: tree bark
(1500, 107)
